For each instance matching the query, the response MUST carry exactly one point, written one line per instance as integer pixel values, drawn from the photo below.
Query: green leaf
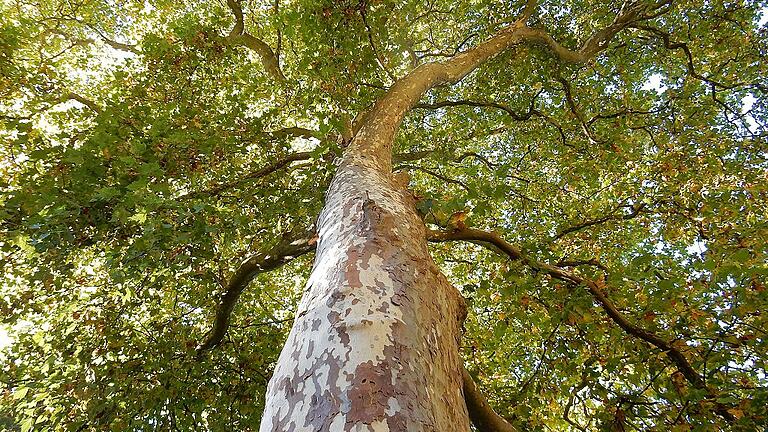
(20, 392)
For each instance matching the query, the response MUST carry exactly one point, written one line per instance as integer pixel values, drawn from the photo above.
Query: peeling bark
(375, 345)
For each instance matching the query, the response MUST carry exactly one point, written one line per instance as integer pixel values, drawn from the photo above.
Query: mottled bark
(375, 345)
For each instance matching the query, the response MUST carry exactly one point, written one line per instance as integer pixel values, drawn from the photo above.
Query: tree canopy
(604, 216)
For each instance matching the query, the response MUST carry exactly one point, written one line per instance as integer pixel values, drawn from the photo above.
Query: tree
(591, 178)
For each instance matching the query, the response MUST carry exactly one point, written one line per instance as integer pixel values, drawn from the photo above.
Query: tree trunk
(375, 344)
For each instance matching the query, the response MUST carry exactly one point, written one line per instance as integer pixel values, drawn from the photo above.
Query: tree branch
(376, 134)
(532, 111)
(239, 37)
(237, 11)
(481, 413)
(575, 263)
(377, 55)
(262, 172)
(670, 45)
(636, 210)
(379, 125)
(113, 43)
(291, 245)
(494, 242)
(88, 41)
(574, 109)
(464, 102)
(436, 175)
(296, 132)
(456, 50)
(411, 156)
(572, 397)
(282, 163)
(629, 14)
(93, 106)
(528, 10)
(479, 157)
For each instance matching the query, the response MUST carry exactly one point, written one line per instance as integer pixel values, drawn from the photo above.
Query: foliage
(132, 138)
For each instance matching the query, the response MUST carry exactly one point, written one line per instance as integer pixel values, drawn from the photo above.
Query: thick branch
(528, 10)
(374, 139)
(239, 37)
(292, 245)
(494, 242)
(237, 11)
(630, 13)
(481, 413)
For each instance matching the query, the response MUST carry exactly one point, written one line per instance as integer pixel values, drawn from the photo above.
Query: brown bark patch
(351, 270)
(369, 393)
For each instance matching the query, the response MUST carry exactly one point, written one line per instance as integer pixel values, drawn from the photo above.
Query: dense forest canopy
(616, 205)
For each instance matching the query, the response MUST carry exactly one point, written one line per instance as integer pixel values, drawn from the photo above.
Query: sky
(5, 340)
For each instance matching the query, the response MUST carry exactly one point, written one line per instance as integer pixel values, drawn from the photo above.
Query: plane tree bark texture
(376, 337)
(375, 343)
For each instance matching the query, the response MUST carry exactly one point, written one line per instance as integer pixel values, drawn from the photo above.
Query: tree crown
(613, 164)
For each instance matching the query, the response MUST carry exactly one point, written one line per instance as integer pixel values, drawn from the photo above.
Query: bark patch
(369, 393)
